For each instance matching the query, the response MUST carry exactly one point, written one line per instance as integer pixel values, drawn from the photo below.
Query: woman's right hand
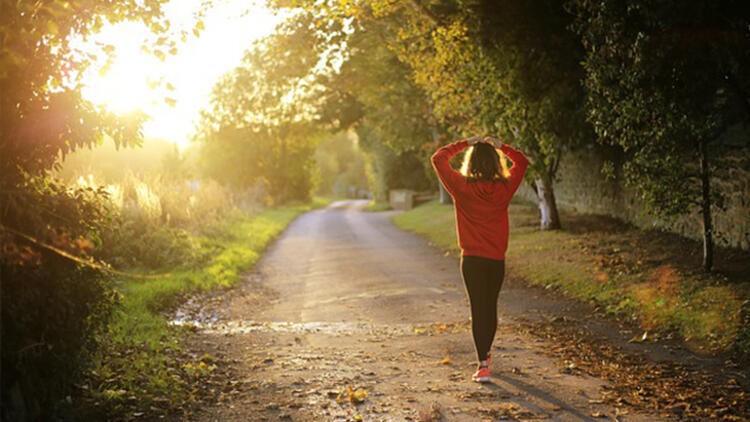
(474, 140)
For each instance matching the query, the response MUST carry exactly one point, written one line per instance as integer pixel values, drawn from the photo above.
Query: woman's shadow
(539, 394)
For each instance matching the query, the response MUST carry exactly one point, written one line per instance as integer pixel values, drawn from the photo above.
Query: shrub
(52, 306)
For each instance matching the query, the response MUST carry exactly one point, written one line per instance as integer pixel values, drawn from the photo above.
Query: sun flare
(174, 90)
(124, 86)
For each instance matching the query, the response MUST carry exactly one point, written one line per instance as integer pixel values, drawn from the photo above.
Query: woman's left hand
(493, 141)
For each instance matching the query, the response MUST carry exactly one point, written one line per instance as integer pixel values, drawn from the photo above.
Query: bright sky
(230, 28)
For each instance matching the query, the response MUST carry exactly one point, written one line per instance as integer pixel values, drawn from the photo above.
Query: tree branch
(91, 264)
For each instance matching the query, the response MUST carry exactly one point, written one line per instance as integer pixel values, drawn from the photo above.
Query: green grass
(702, 309)
(142, 357)
(434, 221)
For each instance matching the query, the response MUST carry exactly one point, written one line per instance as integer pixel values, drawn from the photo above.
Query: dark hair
(483, 164)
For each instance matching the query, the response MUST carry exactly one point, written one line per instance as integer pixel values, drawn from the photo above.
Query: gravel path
(348, 318)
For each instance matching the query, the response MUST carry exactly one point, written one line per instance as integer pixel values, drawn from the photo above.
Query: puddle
(192, 315)
(320, 327)
(213, 320)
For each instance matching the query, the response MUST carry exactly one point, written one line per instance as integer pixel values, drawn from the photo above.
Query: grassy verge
(377, 206)
(650, 277)
(142, 363)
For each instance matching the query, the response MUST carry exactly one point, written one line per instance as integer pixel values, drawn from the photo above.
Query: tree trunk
(708, 240)
(549, 218)
(444, 197)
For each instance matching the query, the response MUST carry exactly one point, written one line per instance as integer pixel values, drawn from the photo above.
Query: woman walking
(481, 196)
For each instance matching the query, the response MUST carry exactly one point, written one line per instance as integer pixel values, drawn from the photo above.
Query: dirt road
(347, 317)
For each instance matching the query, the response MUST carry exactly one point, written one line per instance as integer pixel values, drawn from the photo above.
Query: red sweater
(481, 206)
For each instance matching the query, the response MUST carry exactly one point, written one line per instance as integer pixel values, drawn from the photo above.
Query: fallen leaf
(355, 396)
(640, 339)
(598, 415)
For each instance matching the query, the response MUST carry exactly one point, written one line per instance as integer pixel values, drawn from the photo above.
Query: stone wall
(581, 187)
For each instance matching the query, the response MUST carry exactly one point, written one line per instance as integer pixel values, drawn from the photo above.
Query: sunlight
(173, 91)
(124, 86)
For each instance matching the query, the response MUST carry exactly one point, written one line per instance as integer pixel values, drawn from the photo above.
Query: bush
(155, 219)
(55, 301)
(52, 306)
(149, 246)
(50, 317)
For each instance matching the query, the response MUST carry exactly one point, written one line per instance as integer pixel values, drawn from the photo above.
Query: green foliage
(52, 306)
(395, 127)
(339, 73)
(425, 72)
(154, 218)
(341, 166)
(389, 169)
(51, 315)
(509, 67)
(40, 80)
(134, 245)
(260, 131)
(281, 168)
(661, 79)
(664, 83)
(395, 111)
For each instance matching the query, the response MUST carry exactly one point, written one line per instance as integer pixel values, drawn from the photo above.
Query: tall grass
(175, 237)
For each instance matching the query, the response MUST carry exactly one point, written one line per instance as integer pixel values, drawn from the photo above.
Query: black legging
(483, 278)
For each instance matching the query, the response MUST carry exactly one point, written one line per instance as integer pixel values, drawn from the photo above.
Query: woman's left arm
(441, 162)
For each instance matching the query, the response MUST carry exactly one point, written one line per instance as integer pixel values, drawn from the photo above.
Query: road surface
(347, 317)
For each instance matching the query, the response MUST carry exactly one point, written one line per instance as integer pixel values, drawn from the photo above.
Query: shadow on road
(539, 394)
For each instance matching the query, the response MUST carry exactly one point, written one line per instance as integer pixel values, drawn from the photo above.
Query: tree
(664, 81)
(464, 75)
(502, 67)
(394, 124)
(356, 82)
(53, 298)
(262, 114)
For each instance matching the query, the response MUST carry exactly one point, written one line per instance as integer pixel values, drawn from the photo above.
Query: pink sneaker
(482, 375)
